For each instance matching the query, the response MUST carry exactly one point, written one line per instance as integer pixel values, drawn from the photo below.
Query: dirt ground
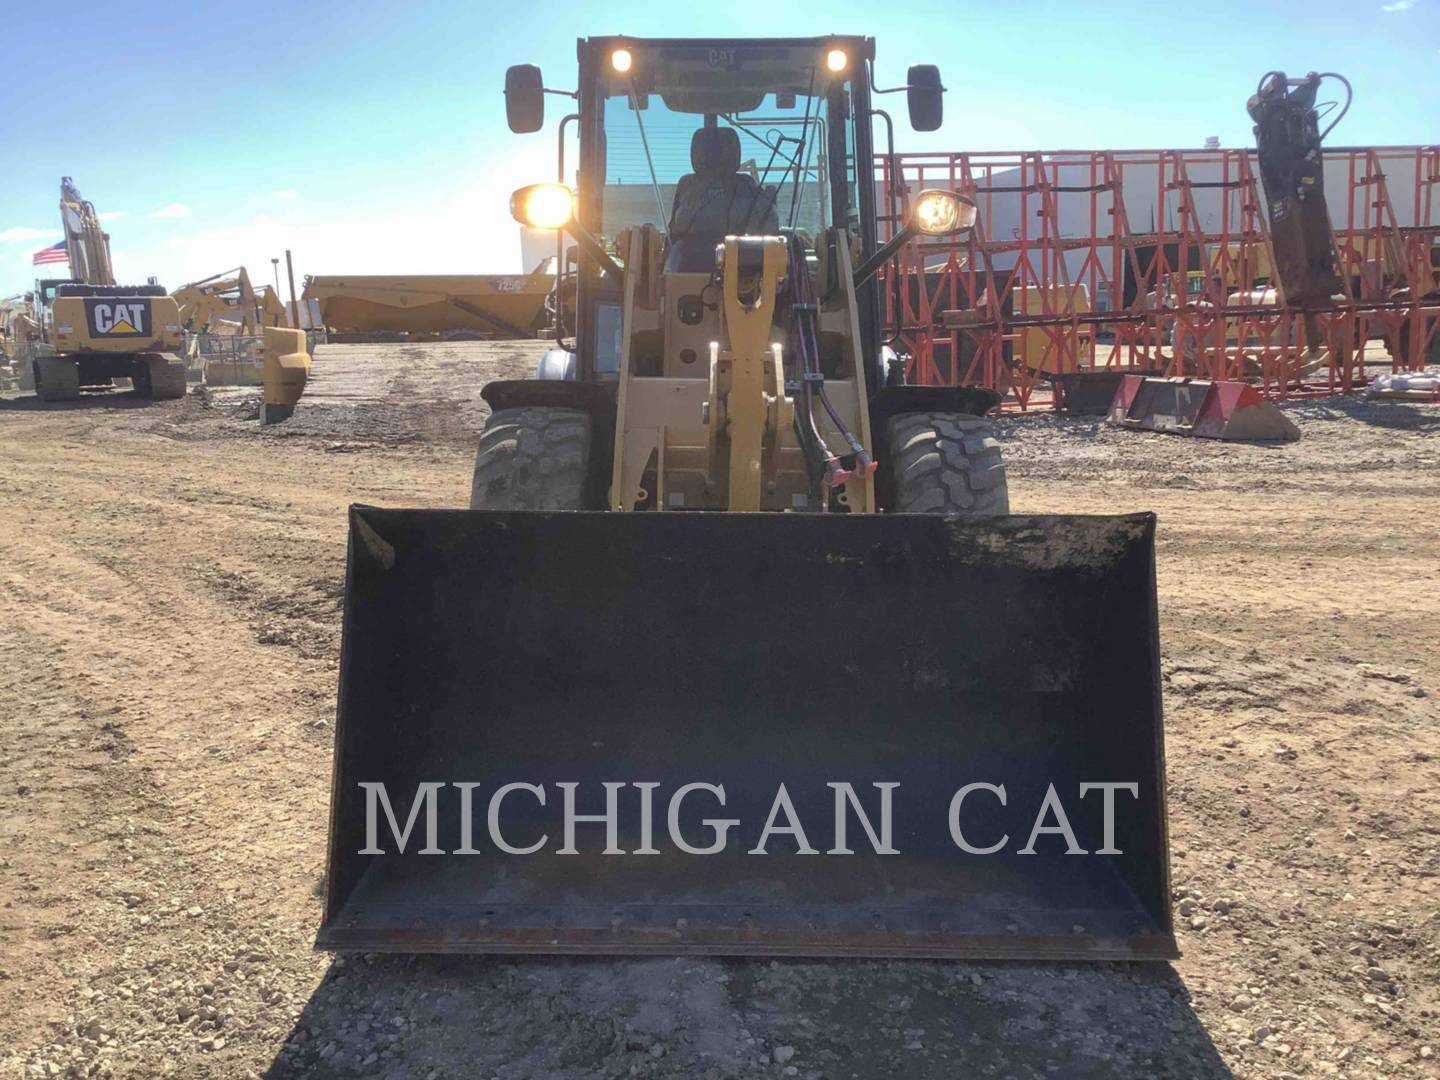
(170, 578)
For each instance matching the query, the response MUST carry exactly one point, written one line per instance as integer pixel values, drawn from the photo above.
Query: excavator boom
(86, 243)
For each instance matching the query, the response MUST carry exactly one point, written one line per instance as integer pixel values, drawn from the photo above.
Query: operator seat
(715, 201)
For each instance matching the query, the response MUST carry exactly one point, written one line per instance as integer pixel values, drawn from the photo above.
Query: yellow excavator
(14, 324)
(226, 324)
(737, 649)
(227, 303)
(88, 331)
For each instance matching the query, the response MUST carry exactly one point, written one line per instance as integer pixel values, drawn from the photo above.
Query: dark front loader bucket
(746, 668)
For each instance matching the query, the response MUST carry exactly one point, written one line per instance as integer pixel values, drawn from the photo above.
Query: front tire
(947, 463)
(532, 458)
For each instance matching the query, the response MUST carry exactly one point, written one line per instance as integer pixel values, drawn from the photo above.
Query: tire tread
(947, 463)
(532, 458)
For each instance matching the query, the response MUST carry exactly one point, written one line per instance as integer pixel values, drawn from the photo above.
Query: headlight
(621, 60)
(836, 60)
(543, 206)
(940, 212)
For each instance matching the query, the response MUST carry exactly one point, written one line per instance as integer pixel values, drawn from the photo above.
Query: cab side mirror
(924, 94)
(524, 98)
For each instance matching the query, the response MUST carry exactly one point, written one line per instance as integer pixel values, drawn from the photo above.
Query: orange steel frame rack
(1099, 253)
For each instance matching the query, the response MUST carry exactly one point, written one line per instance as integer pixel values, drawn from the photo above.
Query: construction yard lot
(170, 581)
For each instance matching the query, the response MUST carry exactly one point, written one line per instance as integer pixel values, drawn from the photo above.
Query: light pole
(276, 264)
(294, 304)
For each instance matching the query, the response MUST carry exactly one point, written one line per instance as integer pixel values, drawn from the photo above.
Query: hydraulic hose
(812, 378)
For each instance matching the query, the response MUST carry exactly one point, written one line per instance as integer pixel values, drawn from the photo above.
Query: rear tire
(947, 463)
(158, 377)
(533, 458)
(56, 378)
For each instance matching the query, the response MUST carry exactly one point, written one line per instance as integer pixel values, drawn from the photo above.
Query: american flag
(55, 253)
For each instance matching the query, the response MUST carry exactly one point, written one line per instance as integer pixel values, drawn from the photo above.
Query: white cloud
(17, 233)
(1398, 5)
(288, 194)
(113, 215)
(174, 210)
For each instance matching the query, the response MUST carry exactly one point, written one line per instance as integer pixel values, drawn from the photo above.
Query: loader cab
(723, 224)
(689, 141)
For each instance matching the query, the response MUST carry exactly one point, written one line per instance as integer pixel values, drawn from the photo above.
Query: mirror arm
(870, 69)
(884, 253)
(561, 93)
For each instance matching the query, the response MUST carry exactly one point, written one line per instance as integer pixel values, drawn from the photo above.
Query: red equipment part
(1206, 409)
(1125, 260)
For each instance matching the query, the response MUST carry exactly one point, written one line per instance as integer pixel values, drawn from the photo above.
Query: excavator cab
(737, 648)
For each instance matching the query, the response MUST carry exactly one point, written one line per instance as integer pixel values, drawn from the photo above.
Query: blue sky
(370, 136)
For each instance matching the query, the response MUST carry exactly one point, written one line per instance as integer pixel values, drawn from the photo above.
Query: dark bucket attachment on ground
(1089, 393)
(749, 652)
(1201, 407)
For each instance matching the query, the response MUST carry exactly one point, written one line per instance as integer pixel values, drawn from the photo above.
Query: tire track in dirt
(174, 656)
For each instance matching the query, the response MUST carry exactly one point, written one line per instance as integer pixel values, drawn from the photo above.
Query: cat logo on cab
(118, 318)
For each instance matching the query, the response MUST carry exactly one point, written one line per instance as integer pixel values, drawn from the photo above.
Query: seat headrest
(715, 150)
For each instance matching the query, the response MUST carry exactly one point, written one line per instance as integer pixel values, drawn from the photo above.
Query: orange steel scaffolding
(1157, 260)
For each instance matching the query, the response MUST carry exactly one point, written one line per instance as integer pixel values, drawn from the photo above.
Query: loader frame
(551, 644)
(639, 416)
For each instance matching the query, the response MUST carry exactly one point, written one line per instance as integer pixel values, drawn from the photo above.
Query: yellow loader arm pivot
(747, 386)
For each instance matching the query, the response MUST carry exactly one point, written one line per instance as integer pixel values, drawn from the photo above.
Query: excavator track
(57, 378)
(159, 376)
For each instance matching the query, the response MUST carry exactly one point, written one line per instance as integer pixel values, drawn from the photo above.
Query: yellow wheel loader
(91, 331)
(737, 649)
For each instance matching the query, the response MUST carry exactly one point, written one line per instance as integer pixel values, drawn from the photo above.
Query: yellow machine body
(227, 303)
(115, 324)
(286, 367)
(717, 543)
(703, 413)
(89, 331)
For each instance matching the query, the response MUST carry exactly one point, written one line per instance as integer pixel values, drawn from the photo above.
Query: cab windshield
(702, 143)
